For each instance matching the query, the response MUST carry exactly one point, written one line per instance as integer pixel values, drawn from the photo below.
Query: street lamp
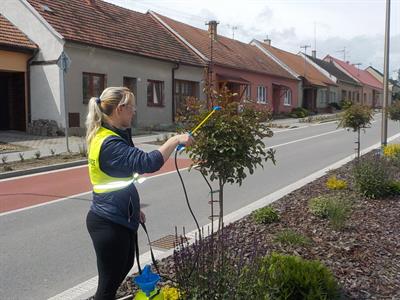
(385, 78)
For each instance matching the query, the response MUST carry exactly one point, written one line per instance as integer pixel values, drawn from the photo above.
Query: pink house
(372, 89)
(242, 68)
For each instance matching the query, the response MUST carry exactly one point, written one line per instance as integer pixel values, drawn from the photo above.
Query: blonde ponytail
(93, 120)
(100, 108)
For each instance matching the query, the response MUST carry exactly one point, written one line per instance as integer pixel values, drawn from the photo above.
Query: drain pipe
(28, 86)
(176, 67)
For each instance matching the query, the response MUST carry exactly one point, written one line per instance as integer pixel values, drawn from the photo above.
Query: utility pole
(344, 53)
(385, 78)
(357, 65)
(305, 56)
(233, 31)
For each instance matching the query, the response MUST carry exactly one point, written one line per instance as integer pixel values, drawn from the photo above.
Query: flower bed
(363, 253)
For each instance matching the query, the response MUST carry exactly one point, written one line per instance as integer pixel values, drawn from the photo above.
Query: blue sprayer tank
(147, 283)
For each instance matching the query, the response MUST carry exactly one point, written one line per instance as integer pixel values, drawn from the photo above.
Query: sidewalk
(58, 144)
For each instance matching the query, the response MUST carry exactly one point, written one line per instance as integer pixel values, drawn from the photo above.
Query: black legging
(115, 251)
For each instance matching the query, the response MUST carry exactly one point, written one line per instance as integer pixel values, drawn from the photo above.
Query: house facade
(347, 88)
(107, 45)
(372, 89)
(16, 51)
(315, 87)
(394, 88)
(240, 67)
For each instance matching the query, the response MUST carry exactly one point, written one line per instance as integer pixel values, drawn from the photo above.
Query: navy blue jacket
(120, 158)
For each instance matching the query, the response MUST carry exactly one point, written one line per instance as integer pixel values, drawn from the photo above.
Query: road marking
(305, 139)
(87, 288)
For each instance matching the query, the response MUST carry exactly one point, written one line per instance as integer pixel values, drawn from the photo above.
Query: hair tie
(98, 100)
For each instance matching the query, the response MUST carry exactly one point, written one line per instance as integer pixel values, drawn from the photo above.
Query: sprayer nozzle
(217, 108)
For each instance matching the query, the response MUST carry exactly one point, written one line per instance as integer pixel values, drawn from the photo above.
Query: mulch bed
(364, 256)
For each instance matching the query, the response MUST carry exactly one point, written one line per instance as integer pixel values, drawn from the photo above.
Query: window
(332, 97)
(324, 97)
(155, 93)
(184, 89)
(247, 92)
(349, 96)
(358, 97)
(287, 98)
(93, 85)
(130, 83)
(354, 96)
(365, 98)
(261, 94)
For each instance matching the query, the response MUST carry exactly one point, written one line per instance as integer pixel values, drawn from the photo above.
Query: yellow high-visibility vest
(103, 183)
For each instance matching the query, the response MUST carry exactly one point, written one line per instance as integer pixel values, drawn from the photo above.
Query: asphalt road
(46, 250)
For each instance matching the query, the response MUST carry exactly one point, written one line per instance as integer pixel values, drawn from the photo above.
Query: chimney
(314, 54)
(212, 29)
(267, 41)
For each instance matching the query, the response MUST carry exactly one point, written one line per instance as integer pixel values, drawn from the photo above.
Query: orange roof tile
(299, 65)
(226, 51)
(106, 25)
(11, 36)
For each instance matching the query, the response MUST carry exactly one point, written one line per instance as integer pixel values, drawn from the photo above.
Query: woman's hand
(142, 217)
(184, 139)
(169, 146)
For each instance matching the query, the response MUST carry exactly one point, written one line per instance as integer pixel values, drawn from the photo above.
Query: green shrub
(299, 112)
(395, 187)
(335, 207)
(373, 177)
(319, 206)
(4, 159)
(290, 237)
(21, 156)
(338, 212)
(288, 277)
(37, 154)
(394, 111)
(335, 105)
(266, 215)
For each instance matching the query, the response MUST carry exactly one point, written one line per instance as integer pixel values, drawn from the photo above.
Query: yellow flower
(336, 184)
(171, 293)
(392, 151)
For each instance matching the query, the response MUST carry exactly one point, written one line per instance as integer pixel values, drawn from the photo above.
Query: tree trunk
(358, 143)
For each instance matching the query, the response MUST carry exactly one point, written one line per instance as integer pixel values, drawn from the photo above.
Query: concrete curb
(42, 169)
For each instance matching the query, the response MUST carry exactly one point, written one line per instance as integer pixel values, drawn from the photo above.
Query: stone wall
(44, 127)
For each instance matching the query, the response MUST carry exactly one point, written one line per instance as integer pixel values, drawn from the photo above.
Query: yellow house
(16, 51)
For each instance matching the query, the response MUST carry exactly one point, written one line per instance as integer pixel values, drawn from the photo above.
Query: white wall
(46, 93)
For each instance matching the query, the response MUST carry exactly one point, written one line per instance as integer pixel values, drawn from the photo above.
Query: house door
(12, 101)
(131, 84)
(276, 99)
(309, 99)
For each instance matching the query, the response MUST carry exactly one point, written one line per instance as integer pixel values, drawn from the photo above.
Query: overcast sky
(357, 25)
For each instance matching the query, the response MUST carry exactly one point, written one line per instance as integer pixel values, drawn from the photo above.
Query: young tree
(356, 117)
(230, 143)
(394, 111)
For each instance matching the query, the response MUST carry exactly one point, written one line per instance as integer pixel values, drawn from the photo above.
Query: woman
(114, 215)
